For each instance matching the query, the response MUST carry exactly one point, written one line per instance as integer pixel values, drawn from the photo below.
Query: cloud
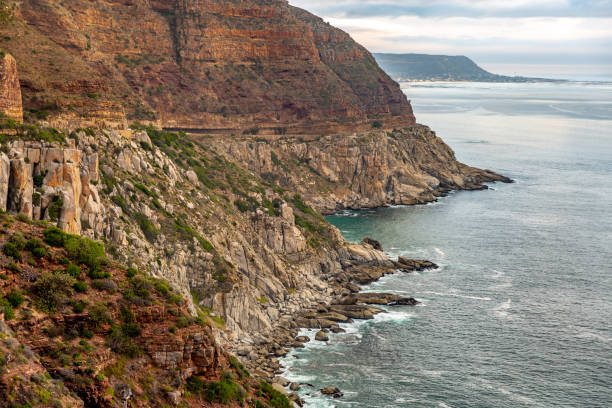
(549, 31)
(459, 8)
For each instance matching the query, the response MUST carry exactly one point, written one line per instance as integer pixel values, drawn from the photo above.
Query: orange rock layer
(200, 64)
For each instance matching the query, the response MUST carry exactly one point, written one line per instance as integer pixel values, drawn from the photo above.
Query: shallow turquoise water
(520, 312)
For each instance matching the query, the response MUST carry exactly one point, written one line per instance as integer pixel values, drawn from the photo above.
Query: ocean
(519, 314)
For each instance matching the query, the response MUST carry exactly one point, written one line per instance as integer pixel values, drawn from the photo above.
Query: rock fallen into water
(366, 274)
(360, 312)
(332, 391)
(321, 336)
(372, 242)
(302, 339)
(408, 265)
(294, 386)
(387, 299)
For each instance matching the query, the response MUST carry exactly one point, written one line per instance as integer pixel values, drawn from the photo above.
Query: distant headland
(425, 67)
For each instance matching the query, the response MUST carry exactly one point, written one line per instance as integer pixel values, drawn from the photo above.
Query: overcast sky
(514, 36)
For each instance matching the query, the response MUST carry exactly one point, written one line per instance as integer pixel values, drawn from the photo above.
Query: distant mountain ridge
(425, 67)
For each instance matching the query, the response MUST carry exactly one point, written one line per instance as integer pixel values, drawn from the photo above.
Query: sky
(515, 37)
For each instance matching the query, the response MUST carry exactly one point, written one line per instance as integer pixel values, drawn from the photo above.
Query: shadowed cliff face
(225, 65)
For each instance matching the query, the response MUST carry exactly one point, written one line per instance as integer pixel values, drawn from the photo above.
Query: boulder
(409, 265)
(332, 391)
(281, 380)
(373, 243)
(321, 336)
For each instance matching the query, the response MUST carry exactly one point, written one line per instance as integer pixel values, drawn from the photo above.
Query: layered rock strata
(218, 65)
(10, 90)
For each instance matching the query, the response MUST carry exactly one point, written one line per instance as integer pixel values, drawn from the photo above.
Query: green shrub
(223, 391)
(162, 288)
(85, 332)
(145, 190)
(55, 208)
(141, 287)
(238, 367)
(195, 385)
(172, 329)
(277, 399)
(80, 287)
(73, 270)
(131, 272)
(55, 237)
(121, 343)
(11, 250)
(99, 274)
(7, 309)
(79, 307)
(39, 252)
(182, 322)
(131, 330)
(33, 243)
(127, 316)
(15, 298)
(147, 227)
(51, 291)
(23, 218)
(85, 251)
(250, 204)
(99, 316)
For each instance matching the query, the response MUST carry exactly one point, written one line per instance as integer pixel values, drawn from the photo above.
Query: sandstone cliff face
(50, 182)
(408, 166)
(217, 65)
(10, 91)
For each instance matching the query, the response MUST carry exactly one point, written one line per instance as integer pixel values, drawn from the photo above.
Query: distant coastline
(444, 68)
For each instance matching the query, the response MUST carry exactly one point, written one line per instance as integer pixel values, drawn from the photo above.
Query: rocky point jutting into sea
(200, 146)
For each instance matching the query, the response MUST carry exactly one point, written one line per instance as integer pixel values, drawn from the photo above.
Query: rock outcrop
(10, 90)
(362, 170)
(50, 182)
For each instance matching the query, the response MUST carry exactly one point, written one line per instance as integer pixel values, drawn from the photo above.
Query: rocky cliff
(219, 65)
(364, 170)
(10, 90)
(231, 223)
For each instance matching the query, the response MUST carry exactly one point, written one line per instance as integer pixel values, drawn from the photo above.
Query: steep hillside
(221, 65)
(77, 330)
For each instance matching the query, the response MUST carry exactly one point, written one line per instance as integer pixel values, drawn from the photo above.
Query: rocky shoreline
(349, 305)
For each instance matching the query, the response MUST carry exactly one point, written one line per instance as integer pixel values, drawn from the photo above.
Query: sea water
(519, 314)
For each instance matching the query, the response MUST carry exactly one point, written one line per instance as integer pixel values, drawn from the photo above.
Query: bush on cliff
(277, 399)
(224, 391)
(52, 291)
(80, 250)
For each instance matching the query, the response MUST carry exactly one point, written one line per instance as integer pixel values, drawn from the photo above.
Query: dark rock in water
(337, 330)
(302, 339)
(332, 391)
(294, 386)
(409, 265)
(359, 312)
(372, 298)
(321, 336)
(372, 242)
